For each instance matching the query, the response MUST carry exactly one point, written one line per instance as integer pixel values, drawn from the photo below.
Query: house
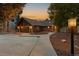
(34, 26)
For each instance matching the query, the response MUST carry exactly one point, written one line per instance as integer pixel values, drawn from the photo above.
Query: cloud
(35, 13)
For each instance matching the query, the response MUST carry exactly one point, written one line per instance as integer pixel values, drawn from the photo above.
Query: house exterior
(34, 26)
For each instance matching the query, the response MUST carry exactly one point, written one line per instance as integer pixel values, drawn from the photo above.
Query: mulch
(61, 47)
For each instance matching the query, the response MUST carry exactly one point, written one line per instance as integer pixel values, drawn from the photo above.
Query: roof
(38, 23)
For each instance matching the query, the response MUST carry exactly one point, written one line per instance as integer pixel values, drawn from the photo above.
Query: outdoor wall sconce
(18, 27)
(48, 27)
(30, 27)
(21, 27)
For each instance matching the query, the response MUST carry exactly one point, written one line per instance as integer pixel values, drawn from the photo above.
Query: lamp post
(72, 26)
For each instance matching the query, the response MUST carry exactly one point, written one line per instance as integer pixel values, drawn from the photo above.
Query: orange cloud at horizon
(35, 14)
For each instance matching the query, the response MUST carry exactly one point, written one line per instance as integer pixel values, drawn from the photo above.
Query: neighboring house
(29, 25)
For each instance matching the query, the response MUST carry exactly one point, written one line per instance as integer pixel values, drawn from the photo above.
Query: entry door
(26, 29)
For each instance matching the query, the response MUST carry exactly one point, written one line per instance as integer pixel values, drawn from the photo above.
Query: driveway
(26, 45)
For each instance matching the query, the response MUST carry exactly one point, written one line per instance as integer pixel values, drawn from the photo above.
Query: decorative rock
(63, 40)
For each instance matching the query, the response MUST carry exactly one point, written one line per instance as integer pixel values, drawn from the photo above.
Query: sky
(36, 11)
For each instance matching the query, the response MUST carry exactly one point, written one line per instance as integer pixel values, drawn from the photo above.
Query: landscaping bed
(61, 43)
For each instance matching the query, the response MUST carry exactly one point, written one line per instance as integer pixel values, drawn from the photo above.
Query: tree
(8, 11)
(61, 12)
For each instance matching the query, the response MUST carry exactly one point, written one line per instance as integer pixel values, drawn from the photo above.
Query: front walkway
(26, 44)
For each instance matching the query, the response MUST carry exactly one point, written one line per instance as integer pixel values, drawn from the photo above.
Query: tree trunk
(5, 26)
(58, 29)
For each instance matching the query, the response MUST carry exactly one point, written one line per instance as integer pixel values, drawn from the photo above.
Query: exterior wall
(35, 29)
(43, 29)
(25, 29)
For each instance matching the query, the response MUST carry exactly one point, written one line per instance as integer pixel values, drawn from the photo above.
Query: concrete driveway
(26, 45)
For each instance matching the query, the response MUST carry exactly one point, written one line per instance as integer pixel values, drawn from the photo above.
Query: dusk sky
(36, 11)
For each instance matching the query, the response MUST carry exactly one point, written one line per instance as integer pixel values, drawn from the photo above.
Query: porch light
(48, 27)
(18, 27)
(21, 27)
(30, 27)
